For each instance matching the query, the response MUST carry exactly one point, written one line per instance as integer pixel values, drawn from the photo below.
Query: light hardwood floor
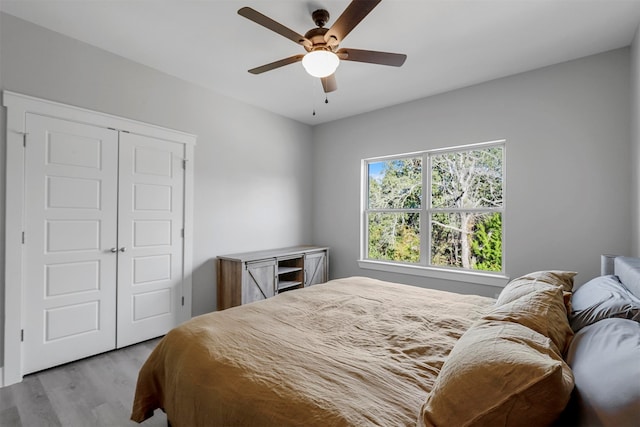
(97, 391)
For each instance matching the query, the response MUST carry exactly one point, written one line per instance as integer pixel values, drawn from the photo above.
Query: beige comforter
(351, 352)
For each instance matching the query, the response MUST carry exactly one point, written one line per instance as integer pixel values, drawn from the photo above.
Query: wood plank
(229, 283)
(10, 417)
(272, 253)
(33, 404)
(97, 391)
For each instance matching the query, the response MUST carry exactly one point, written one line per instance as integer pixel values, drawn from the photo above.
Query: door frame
(18, 105)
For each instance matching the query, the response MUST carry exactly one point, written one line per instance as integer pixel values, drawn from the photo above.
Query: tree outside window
(437, 208)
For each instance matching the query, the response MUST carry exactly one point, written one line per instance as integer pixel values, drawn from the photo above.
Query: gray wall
(252, 168)
(567, 129)
(635, 143)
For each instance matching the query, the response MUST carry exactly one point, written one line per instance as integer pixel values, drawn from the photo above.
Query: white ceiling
(449, 44)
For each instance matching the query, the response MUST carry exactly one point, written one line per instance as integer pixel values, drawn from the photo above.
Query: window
(436, 209)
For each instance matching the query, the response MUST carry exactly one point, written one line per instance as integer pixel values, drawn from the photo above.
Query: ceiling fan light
(320, 63)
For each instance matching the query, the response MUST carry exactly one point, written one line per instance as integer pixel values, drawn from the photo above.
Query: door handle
(114, 250)
(122, 249)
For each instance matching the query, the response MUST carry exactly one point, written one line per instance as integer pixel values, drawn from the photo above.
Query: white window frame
(423, 268)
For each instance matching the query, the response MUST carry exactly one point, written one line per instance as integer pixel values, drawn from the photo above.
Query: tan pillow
(543, 310)
(534, 281)
(499, 374)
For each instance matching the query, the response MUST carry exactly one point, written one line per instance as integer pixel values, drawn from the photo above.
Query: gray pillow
(605, 360)
(601, 298)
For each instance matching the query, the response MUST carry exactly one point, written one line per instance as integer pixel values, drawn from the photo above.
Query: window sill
(487, 279)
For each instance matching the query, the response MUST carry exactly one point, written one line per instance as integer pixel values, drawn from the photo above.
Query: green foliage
(467, 179)
(486, 245)
(445, 235)
(460, 181)
(394, 237)
(400, 186)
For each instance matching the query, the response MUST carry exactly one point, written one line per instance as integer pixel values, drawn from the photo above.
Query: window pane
(395, 184)
(467, 240)
(467, 179)
(394, 236)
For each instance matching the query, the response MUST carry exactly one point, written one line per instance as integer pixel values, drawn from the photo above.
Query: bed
(605, 352)
(359, 351)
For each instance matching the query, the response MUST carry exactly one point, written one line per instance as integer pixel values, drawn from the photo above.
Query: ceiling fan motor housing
(320, 17)
(316, 37)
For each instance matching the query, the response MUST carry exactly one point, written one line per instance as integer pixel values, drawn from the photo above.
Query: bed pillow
(601, 298)
(540, 301)
(543, 310)
(499, 373)
(605, 358)
(534, 281)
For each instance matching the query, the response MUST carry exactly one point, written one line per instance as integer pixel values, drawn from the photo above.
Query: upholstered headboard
(628, 271)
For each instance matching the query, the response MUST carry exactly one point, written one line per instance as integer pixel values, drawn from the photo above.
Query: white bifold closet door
(150, 221)
(103, 247)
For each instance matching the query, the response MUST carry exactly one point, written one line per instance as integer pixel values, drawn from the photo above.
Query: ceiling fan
(322, 44)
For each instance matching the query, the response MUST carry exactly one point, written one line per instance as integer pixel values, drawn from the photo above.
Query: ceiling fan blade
(277, 64)
(372, 57)
(352, 15)
(265, 21)
(329, 83)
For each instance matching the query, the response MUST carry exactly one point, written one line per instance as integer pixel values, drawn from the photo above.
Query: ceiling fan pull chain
(314, 103)
(313, 97)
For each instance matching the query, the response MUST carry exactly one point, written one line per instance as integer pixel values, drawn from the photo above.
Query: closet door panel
(150, 222)
(70, 228)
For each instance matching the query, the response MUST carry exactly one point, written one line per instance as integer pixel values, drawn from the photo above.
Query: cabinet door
(315, 268)
(259, 281)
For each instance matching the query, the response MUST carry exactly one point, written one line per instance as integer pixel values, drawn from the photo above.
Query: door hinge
(23, 237)
(182, 233)
(24, 137)
(118, 130)
(21, 335)
(184, 163)
(183, 301)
